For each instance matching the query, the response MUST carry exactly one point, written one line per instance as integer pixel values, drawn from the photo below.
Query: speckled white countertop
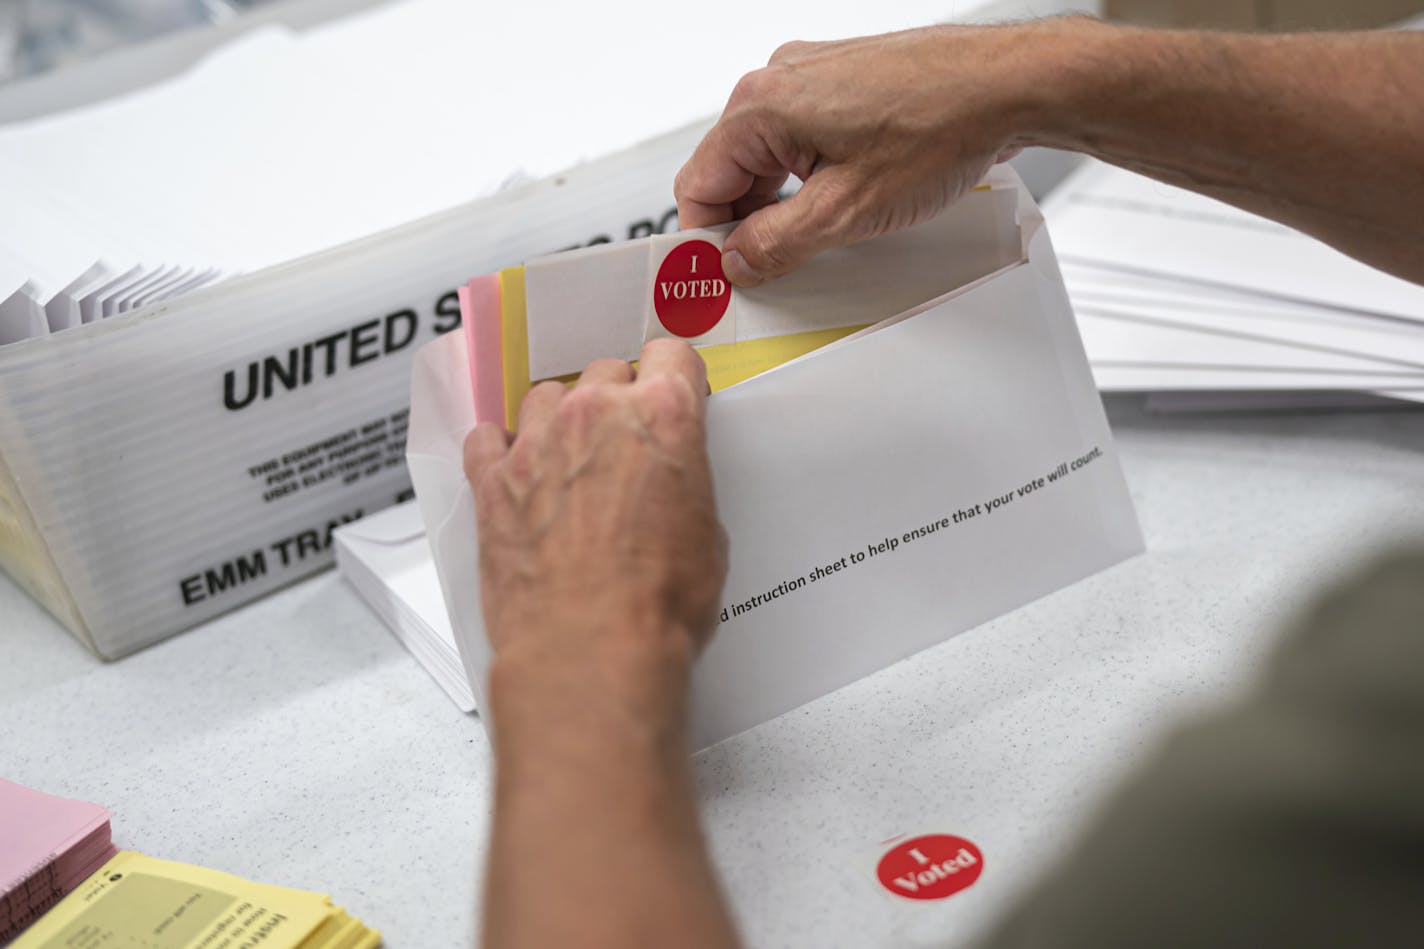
(297, 743)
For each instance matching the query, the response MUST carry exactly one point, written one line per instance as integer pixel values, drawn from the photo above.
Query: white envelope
(855, 485)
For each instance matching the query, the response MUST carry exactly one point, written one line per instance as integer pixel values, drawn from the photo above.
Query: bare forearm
(601, 569)
(596, 838)
(1323, 132)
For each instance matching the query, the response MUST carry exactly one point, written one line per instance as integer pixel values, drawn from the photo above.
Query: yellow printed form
(135, 900)
(737, 362)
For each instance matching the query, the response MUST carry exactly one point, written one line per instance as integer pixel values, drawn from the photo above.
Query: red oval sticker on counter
(691, 293)
(931, 867)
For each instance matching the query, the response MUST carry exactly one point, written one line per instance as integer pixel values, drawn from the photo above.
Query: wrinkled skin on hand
(885, 131)
(600, 545)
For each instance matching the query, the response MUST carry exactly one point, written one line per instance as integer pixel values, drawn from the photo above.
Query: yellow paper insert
(137, 900)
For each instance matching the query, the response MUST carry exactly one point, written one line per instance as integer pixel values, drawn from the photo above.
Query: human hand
(601, 555)
(884, 131)
(601, 566)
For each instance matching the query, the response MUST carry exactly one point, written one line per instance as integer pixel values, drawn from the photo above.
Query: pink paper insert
(480, 313)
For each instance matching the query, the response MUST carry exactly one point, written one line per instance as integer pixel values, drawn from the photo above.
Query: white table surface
(295, 742)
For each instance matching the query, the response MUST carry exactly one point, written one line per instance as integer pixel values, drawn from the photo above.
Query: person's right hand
(601, 555)
(884, 131)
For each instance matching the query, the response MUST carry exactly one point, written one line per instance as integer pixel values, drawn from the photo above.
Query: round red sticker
(691, 293)
(930, 867)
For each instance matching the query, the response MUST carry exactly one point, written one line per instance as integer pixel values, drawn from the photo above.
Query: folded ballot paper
(137, 900)
(905, 437)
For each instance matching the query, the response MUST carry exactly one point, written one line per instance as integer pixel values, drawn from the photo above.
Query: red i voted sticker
(691, 294)
(931, 867)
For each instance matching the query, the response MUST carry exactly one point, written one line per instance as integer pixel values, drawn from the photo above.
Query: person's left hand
(601, 555)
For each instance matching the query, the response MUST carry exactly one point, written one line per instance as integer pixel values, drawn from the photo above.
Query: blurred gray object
(1264, 14)
(38, 35)
(127, 61)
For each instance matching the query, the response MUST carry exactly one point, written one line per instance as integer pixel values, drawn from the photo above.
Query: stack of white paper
(387, 559)
(1189, 298)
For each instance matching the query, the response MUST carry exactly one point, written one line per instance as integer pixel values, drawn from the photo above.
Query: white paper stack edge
(387, 559)
(1180, 295)
(98, 293)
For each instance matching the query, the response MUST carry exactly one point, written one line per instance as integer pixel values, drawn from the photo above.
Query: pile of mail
(48, 846)
(1205, 305)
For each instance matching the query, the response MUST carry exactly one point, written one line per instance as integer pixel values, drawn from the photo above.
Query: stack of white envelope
(1208, 306)
(387, 559)
(97, 293)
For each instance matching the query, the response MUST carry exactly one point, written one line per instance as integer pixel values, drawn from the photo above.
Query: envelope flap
(441, 413)
(440, 386)
(393, 526)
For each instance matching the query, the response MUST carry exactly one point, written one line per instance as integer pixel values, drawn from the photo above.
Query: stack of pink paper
(48, 846)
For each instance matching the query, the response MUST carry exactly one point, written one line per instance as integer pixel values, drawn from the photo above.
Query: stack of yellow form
(136, 900)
